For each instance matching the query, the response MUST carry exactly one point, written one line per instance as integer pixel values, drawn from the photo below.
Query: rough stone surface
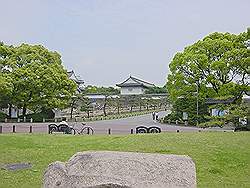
(121, 169)
(17, 166)
(110, 185)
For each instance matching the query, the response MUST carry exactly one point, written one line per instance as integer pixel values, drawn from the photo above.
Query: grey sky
(105, 41)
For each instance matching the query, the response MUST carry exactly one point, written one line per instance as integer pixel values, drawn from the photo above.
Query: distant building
(77, 80)
(134, 86)
(215, 111)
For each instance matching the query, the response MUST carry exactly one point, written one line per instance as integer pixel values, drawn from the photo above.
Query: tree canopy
(218, 65)
(215, 67)
(33, 77)
(156, 90)
(100, 90)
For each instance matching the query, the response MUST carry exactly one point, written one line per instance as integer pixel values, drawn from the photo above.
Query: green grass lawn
(222, 158)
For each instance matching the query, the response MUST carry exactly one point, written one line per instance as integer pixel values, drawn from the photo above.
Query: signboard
(217, 112)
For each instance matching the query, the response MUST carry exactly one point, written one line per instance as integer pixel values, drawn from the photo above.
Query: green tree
(218, 65)
(5, 90)
(100, 90)
(106, 91)
(118, 102)
(38, 78)
(156, 90)
(6, 86)
(214, 67)
(237, 112)
(86, 106)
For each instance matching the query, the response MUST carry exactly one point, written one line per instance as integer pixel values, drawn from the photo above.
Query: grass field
(222, 158)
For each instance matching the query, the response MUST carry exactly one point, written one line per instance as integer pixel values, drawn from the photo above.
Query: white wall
(132, 90)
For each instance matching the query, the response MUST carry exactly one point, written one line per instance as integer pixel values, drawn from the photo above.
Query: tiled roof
(75, 78)
(137, 82)
(70, 73)
(219, 101)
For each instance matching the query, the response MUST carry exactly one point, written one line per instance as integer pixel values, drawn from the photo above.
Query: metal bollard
(30, 129)
(24, 119)
(14, 129)
(18, 120)
(1, 129)
(131, 131)
(109, 131)
(5, 120)
(31, 120)
(43, 120)
(178, 131)
(88, 130)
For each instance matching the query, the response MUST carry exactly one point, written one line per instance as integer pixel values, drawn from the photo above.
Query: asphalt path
(116, 126)
(126, 124)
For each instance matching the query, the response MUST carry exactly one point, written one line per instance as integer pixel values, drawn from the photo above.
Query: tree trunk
(18, 112)
(10, 108)
(24, 110)
(72, 108)
(104, 109)
(71, 112)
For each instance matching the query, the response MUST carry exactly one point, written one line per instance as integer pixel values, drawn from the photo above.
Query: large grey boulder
(121, 169)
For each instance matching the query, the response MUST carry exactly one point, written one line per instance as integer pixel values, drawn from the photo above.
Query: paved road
(117, 126)
(126, 124)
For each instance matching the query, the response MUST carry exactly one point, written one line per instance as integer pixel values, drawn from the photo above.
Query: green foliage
(33, 77)
(6, 86)
(215, 67)
(107, 101)
(38, 117)
(189, 106)
(86, 105)
(235, 112)
(2, 116)
(218, 65)
(100, 90)
(156, 90)
(213, 123)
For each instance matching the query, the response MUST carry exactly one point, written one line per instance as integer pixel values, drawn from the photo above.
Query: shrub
(215, 123)
(38, 117)
(3, 116)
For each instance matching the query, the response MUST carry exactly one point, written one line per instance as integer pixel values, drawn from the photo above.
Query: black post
(1, 129)
(109, 131)
(177, 131)
(132, 131)
(30, 129)
(14, 129)
(88, 130)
